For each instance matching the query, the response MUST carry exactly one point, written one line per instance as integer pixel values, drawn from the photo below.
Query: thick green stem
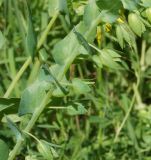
(15, 150)
(34, 71)
(125, 118)
(135, 88)
(15, 80)
(142, 60)
(45, 33)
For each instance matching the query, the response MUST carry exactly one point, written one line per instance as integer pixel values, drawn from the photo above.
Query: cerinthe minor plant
(62, 71)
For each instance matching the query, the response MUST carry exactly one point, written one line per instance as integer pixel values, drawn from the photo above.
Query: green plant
(75, 79)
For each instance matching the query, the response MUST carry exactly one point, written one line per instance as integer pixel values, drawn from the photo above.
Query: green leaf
(78, 110)
(97, 61)
(33, 95)
(91, 11)
(60, 5)
(51, 147)
(44, 149)
(145, 22)
(119, 36)
(104, 122)
(2, 40)
(52, 144)
(147, 138)
(109, 17)
(61, 52)
(109, 5)
(80, 87)
(8, 102)
(148, 14)
(49, 77)
(110, 10)
(14, 118)
(31, 157)
(146, 3)
(14, 128)
(53, 5)
(31, 39)
(46, 78)
(113, 54)
(108, 60)
(129, 4)
(127, 35)
(43, 55)
(54, 153)
(31, 98)
(82, 41)
(4, 150)
(59, 93)
(124, 33)
(46, 68)
(63, 6)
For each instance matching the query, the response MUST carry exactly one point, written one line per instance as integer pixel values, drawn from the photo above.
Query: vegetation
(75, 80)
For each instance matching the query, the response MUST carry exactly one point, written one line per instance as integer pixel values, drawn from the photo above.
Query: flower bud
(136, 24)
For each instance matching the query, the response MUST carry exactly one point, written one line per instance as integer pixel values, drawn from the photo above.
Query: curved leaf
(79, 109)
(31, 98)
(112, 6)
(68, 46)
(129, 4)
(79, 86)
(14, 128)
(4, 150)
(90, 13)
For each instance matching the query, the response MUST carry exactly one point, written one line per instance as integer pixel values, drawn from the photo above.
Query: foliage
(75, 79)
